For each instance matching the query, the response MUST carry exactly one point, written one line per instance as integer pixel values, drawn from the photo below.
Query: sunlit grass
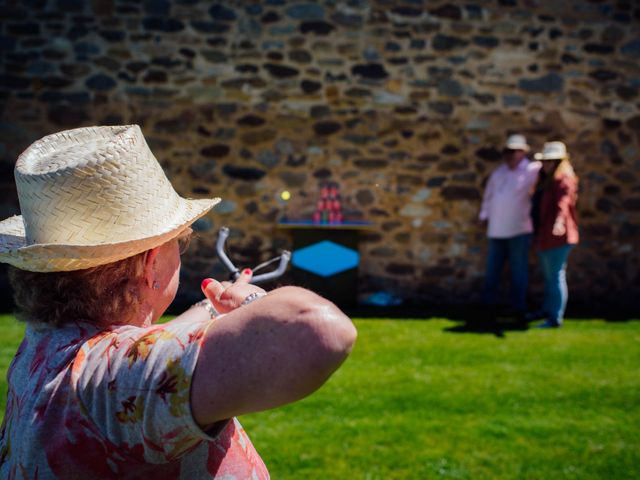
(416, 401)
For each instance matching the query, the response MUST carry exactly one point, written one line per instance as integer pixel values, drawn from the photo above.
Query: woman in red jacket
(556, 228)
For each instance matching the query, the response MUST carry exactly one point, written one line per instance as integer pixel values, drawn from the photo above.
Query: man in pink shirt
(506, 207)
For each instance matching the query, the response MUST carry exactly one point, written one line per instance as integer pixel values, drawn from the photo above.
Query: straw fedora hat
(92, 196)
(517, 142)
(552, 151)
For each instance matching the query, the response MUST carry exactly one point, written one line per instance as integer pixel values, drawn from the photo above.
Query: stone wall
(405, 104)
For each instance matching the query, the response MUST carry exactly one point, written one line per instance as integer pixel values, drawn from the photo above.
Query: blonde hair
(564, 169)
(100, 295)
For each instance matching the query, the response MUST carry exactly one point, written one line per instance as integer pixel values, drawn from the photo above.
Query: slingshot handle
(234, 272)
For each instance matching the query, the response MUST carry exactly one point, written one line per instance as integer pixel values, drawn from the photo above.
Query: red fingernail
(205, 283)
(247, 271)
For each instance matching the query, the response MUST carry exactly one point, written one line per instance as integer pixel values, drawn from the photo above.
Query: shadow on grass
(474, 312)
(494, 325)
(471, 318)
(480, 319)
(474, 318)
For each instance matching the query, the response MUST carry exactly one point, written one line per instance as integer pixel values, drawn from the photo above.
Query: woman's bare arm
(271, 352)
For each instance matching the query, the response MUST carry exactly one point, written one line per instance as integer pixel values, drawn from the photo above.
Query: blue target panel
(325, 258)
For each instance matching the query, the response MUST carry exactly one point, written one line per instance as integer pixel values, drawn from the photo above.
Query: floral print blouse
(85, 403)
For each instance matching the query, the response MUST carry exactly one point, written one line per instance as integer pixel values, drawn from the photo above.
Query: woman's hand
(227, 296)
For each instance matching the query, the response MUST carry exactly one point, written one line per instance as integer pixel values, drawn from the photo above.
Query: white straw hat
(517, 142)
(92, 196)
(552, 151)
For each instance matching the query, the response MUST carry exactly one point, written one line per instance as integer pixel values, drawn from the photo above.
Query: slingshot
(234, 272)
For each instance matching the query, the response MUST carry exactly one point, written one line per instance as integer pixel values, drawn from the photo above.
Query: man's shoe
(533, 316)
(549, 324)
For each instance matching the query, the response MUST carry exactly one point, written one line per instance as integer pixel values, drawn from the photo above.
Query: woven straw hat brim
(518, 146)
(59, 257)
(543, 157)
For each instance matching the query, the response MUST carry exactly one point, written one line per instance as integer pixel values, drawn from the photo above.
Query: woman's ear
(149, 266)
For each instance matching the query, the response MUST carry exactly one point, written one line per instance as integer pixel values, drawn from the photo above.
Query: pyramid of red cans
(329, 206)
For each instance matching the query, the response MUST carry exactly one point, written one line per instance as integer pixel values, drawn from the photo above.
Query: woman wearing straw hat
(97, 389)
(556, 228)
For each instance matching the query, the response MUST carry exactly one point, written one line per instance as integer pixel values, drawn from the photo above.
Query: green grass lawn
(417, 402)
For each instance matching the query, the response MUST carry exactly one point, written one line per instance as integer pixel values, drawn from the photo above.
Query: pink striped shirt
(506, 203)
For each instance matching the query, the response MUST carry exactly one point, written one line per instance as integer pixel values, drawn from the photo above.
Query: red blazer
(558, 202)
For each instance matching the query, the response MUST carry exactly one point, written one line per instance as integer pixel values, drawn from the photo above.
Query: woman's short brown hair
(102, 295)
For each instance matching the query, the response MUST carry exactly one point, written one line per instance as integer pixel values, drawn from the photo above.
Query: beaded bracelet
(207, 305)
(251, 297)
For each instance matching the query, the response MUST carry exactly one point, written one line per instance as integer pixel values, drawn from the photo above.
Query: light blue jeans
(553, 263)
(516, 250)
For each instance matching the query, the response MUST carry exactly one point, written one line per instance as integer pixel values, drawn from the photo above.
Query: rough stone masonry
(405, 104)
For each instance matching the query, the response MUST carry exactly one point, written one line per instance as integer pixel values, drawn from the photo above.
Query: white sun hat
(92, 196)
(517, 142)
(552, 151)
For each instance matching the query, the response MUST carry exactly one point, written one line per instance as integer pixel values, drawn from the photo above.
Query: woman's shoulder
(159, 337)
(54, 336)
